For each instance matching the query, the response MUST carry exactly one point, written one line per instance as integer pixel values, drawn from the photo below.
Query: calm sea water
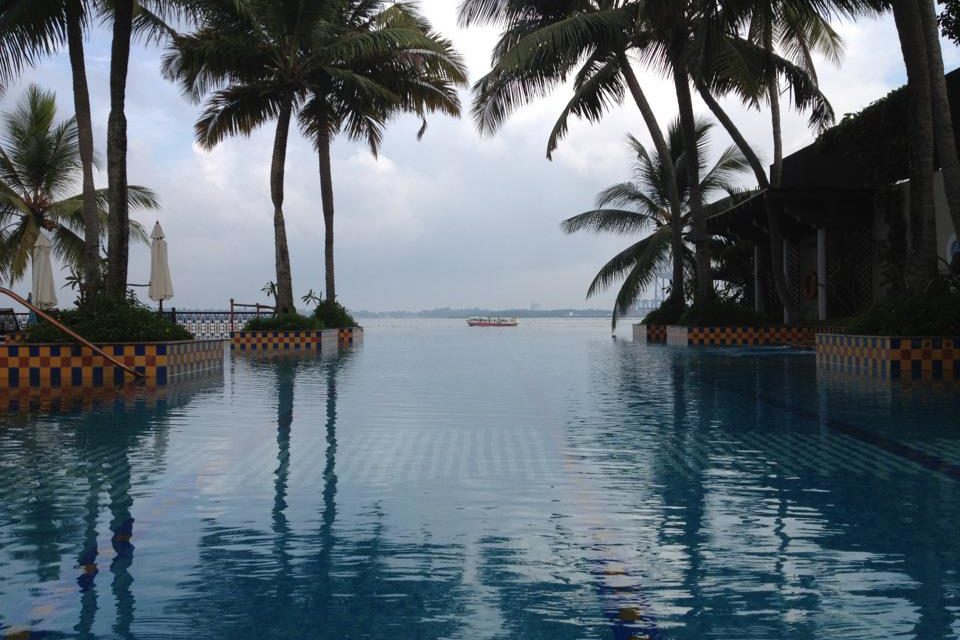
(446, 482)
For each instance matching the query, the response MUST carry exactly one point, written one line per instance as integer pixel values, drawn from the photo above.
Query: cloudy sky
(455, 220)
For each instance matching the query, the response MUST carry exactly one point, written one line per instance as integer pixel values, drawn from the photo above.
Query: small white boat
(493, 322)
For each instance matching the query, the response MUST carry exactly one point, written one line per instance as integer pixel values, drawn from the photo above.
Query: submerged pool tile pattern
(894, 359)
(741, 336)
(72, 366)
(442, 482)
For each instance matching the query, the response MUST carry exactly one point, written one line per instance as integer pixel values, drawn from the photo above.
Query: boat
(492, 322)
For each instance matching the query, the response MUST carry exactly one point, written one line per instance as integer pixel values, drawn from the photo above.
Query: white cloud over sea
(455, 220)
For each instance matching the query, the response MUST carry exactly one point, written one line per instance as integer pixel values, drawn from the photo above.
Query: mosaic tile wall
(894, 359)
(741, 336)
(327, 341)
(73, 366)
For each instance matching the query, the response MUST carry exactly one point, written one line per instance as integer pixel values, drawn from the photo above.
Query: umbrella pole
(161, 306)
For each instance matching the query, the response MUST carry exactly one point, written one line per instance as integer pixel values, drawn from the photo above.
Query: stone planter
(890, 358)
(268, 342)
(775, 335)
(650, 333)
(58, 366)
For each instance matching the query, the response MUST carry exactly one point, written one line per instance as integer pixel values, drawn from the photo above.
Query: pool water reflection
(447, 482)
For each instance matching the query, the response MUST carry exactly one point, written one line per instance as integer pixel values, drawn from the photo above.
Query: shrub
(284, 322)
(110, 322)
(334, 315)
(910, 316)
(668, 312)
(721, 313)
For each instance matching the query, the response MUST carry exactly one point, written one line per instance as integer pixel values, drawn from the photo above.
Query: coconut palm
(39, 166)
(130, 18)
(252, 62)
(643, 204)
(542, 44)
(31, 29)
(372, 60)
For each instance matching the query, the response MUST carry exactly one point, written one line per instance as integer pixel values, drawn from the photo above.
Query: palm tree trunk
(326, 196)
(942, 119)
(773, 212)
(81, 104)
(773, 93)
(701, 237)
(119, 222)
(906, 15)
(277, 170)
(676, 208)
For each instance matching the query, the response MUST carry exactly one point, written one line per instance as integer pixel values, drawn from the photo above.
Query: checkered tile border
(269, 341)
(894, 359)
(72, 366)
(656, 333)
(776, 335)
(350, 337)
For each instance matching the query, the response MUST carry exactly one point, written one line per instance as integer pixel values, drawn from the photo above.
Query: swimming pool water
(448, 482)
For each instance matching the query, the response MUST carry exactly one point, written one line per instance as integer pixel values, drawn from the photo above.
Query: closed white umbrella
(44, 291)
(161, 284)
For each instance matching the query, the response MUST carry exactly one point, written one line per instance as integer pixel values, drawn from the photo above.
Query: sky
(455, 220)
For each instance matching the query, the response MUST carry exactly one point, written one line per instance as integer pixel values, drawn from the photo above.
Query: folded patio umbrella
(161, 285)
(44, 291)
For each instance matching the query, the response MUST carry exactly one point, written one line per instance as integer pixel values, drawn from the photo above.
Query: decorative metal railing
(212, 325)
(204, 325)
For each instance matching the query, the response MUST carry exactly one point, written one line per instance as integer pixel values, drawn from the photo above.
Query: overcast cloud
(454, 220)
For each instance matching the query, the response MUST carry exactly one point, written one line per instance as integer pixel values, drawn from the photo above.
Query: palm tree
(28, 30)
(130, 18)
(31, 29)
(630, 208)
(544, 44)
(39, 164)
(748, 65)
(252, 60)
(372, 60)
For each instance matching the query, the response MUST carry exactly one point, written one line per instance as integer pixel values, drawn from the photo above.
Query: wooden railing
(97, 350)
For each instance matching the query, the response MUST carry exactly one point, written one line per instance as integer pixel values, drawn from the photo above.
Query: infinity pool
(447, 482)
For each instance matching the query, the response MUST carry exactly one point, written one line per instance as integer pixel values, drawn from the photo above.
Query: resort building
(845, 211)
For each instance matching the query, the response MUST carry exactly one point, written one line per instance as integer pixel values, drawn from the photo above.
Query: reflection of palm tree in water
(286, 380)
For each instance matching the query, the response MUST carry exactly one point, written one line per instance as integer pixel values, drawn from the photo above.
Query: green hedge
(334, 315)
(285, 322)
(719, 313)
(112, 322)
(910, 316)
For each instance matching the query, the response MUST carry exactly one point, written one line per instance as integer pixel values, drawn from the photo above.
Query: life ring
(811, 285)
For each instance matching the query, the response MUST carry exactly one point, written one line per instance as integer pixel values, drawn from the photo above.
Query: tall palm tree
(630, 208)
(749, 66)
(39, 164)
(371, 60)
(913, 45)
(130, 18)
(252, 61)
(28, 30)
(542, 45)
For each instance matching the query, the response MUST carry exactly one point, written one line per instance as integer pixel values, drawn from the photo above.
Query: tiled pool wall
(325, 341)
(72, 366)
(741, 336)
(652, 333)
(888, 358)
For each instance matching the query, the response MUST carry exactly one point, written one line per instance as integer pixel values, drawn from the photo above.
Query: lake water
(446, 482)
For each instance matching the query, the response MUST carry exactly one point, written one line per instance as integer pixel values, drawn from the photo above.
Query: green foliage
(721, 313)
(668, 312)
(874, 138)
(910, 316)
(108, 321)
(334, 315)
(950, 20)
(285, 322)
(39, 166)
